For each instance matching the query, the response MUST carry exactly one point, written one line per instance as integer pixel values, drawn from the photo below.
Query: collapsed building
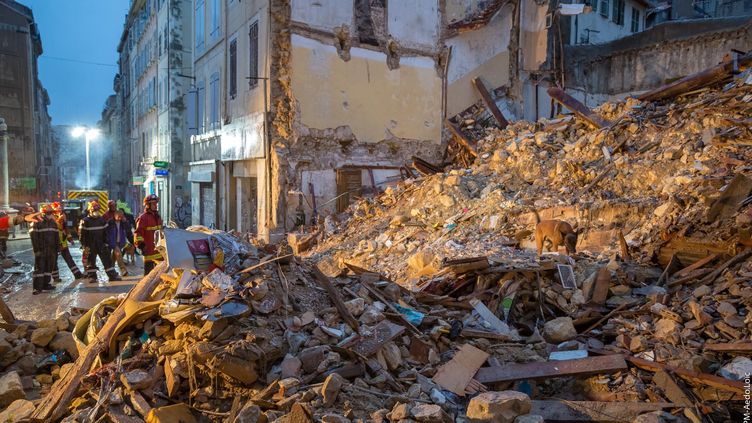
(427, 303)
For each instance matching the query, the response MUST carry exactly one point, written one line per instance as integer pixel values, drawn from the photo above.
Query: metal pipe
(4, 183)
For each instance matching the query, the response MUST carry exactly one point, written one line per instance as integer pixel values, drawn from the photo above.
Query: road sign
(161, 164)
(161, 172)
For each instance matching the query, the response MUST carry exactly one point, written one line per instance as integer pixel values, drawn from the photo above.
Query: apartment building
(608, 20)
(304, 105)
(23, 105)
(155, 78)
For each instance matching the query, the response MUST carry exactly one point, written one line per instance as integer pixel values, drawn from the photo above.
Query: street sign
(161, 172)
(161, 164)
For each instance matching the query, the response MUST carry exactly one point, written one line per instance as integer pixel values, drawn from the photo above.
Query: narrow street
(17, 290)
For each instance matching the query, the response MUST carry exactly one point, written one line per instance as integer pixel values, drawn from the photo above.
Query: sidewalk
(20, 235)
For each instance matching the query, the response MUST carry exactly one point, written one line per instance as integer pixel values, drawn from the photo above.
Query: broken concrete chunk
(290, 366)
(559, 330)
(330, 389)
(725, 309)
(668, 330)
(500, 407)
(701, 291)
(18, 411)
(64, 341)
(392, 355)
(429, 413)
(400, 411)
(658, 417)
(699, 314)
(356, 306)
(135, 380)
(11, 389)
(250, 413)
(42, 336)
(178, 413)
(738, 369)
(334, 418)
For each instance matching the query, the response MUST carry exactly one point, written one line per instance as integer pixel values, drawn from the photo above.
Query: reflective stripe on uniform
(153, 228)
(93, 228)
(153, 257)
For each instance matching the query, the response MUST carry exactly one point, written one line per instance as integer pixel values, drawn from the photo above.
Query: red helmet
(47, 209)
(57, 207)
(149, 198)
(94, 206)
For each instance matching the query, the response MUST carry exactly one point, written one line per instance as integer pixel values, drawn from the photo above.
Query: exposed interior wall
(414, 23)
(645, 61)
(323, 15)
(533, 34)
(362, 96)
(457, 10)
(481, 53)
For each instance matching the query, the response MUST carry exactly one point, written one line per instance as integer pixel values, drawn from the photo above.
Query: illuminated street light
(89, 134)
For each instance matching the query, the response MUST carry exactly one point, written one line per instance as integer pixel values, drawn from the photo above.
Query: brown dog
(129, 253)
(557, 232)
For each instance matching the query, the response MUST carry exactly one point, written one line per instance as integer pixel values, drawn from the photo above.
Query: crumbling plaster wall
(323, 15)
(414, 23)
(481, 53)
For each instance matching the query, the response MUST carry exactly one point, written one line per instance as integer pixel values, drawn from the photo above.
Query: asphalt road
(17, 290)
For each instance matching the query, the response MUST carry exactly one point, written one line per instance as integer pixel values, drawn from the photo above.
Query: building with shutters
(23, 105)
(152, 92)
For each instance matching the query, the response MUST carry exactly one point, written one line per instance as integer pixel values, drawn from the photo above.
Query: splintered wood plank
(694, 266)
(461, 138)
(457, 372)
(730, 200)
(579, 109)
(587, 411)
(671, 389)
(739, 347)
(490, 103)
(532, 371)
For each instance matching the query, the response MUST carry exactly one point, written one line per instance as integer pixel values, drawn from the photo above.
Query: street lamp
(89, 134)
(4, 183)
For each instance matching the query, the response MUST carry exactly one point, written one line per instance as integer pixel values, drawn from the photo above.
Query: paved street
(17, 291)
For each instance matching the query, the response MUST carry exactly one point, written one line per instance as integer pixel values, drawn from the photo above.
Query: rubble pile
(430, 304)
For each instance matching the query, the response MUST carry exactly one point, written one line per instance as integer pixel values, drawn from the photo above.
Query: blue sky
(75, 31)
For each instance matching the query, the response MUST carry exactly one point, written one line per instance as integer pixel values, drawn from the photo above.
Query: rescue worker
(111, 210)
(117, 237)
(4, 232)
(45, 242)
(60, 220)
(147, 223)
(94, 238)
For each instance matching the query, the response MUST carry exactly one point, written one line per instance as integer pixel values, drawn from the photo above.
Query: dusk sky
(80, 39)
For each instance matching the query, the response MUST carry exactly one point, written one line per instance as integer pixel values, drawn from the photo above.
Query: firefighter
(147, 223)
(4, 231)
(45, 242)
(94, 238)
(111, 210)
(60, 219)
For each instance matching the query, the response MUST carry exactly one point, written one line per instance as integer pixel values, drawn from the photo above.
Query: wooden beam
(579, 109)
(744, 255)
(737, 347)
(548, 369)
(697, 80)
(325, 283)
(597, 179)
(461, 137)
(56, 403)
(6, 313)
(589, 411)
(490, 103)
(671, 389)
(694, 266)
(601, 286)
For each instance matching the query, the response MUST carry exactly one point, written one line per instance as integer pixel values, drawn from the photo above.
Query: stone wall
(651, 58)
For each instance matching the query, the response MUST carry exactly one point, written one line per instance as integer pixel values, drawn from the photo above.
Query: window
(618, 14)
(604, 8)
(214, 89)
(200, 25)
(635, 20)
(216, 13)
(253, 54)
(201, 100)
(233, 68)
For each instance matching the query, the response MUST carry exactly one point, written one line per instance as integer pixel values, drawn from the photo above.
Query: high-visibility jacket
(62, 230)
(146, 224)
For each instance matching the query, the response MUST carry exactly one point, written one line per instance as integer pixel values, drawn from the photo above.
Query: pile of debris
(428, 303)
